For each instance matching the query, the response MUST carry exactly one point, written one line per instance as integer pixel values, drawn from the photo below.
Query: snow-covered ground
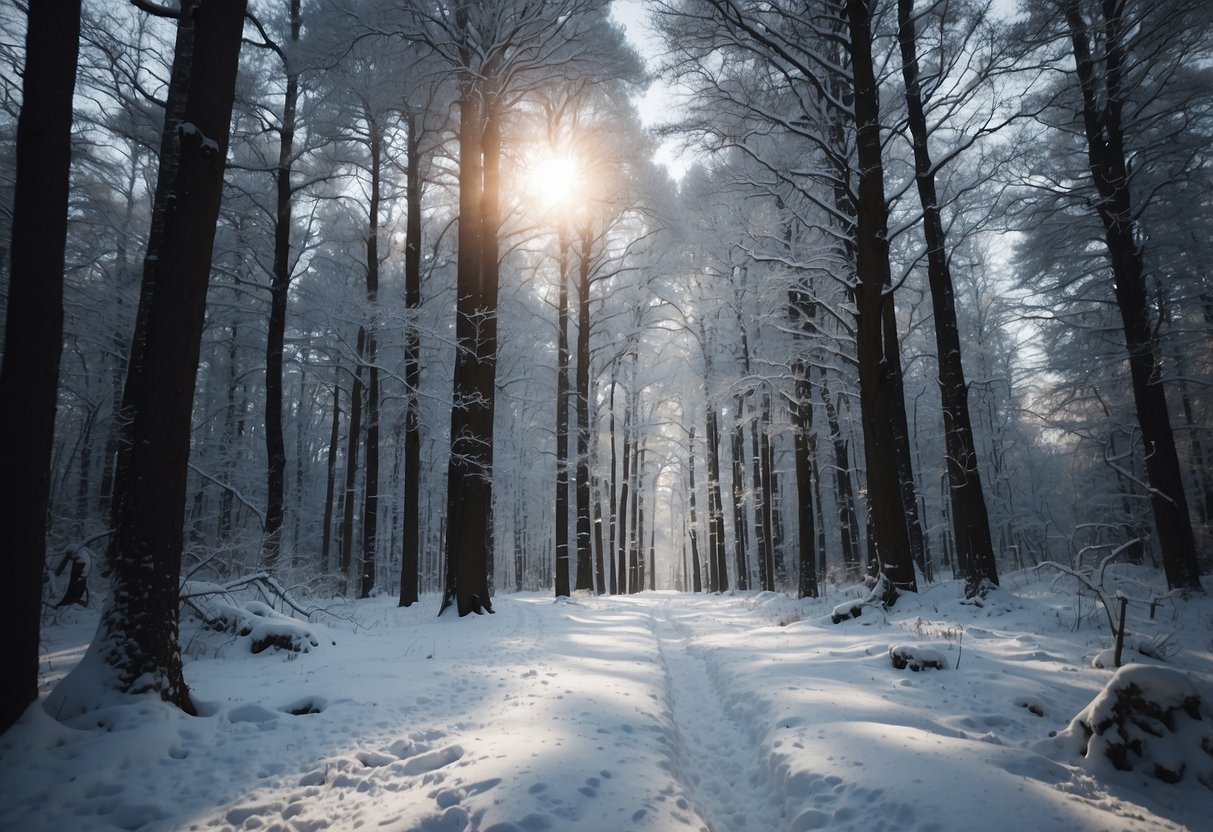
(652, 712)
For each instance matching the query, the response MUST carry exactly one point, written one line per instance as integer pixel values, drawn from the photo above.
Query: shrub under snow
(1146, 719)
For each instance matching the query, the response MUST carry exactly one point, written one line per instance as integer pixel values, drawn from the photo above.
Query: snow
(657, 711)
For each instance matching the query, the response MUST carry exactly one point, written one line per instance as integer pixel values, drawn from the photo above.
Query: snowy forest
(718, 361)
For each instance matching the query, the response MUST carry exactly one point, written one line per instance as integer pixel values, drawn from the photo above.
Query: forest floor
(658, 711)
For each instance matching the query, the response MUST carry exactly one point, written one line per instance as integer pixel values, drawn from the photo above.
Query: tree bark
(351, 469)
(469, 544)
(876, 382)
(737, 448)
(137, 637)
(410, 559)
(326, 530)
(562, 428)
(370, 496)
(970, 521)
(720, 567)
(696, 575)
(806, 528)
(275, 448)
(1102, 106)
(625, 479)
(585, 578)
(33, 335)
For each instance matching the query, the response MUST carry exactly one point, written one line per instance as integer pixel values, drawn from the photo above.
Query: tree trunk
(720, 566)
(1109, 170)
(562, 428)
(624, 482)
(876, 383)
(351, 469)
(970, 521)
(370, 512)
(33, 335)
(585, 578)
(737, 448)
(633, 585)
(696, 576)
(137, 637)
(638, 556)
(761, 538)
(469, 543)
(768, 484)
(275, 448)
(614, 515)
(411, 555)
(806, 530)
(370, 493)
(326, 530)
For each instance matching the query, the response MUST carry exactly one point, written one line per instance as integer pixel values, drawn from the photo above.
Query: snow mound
(1146, 719)
(257, 623)
(916, 657)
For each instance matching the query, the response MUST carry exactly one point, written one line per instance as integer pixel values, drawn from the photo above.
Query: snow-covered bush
(916, 657)
(255, 622)
(1146, 719)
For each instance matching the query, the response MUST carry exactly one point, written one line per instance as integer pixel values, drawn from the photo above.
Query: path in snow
(719, 761)
(649, 713)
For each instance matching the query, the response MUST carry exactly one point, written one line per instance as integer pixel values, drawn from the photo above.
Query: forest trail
(733, 792)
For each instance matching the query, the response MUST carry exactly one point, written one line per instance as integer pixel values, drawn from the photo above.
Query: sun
(554, 181)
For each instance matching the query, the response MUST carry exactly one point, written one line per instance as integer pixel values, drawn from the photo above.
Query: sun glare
(554, 181)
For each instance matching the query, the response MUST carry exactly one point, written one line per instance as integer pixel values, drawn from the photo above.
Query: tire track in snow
(721, 764)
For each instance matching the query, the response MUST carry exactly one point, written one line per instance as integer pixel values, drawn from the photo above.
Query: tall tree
(1101, 58)
(970, 522)
(878, 384)
(279, 286)
(136, 650)
(33, 334)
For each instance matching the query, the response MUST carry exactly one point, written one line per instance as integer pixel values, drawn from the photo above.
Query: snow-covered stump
(1146, 719)
(916, 657)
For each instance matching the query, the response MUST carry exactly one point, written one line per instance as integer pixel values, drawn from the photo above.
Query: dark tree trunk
(624, 482)
(762, 539)
(818, 513)
(633, 585)
(844, 494)
(275, 448)
(326, 530)
(469, 543)
(877, 384)
(638, 558)
(696, 576)
(301, 419)
(137, 636)
(411, 555)
(585, 577)
(562, 426)
(770, 516)
(901, 434)
(806, 531)
(33, 335)
(737, 447)
(351, 470)
(1200, 467)
(1106, 155)
(370, 496)
(599, 552)
(370, 493)
(970, 521)
(720, 566)
(614, 517)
